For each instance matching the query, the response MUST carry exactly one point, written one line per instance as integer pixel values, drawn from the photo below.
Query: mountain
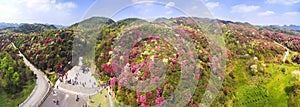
(255, 75)
(161, 19)
(295, 27)
(127, 22)
(29, 28)
(86, 31)
(57, 26)
(93, 22)
(291, 29)
(5, 25)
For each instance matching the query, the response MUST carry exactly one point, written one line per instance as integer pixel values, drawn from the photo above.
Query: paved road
(90, 86)
(82, 78)
(76, 89)
(286, 53)
(65, 99)
(41, 88)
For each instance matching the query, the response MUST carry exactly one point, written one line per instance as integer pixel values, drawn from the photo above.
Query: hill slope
(255, 74)
(253, 58)
(16, 80)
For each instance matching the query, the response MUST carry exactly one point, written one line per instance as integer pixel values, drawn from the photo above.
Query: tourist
(77, 98)
(57, 101)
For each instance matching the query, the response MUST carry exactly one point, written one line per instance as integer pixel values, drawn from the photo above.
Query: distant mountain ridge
(93, 22)
(29, 28)
(295, 27)
(162, 19)
(6, 25)
(288, 29)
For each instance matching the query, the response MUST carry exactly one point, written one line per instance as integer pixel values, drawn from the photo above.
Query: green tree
(16, 78)
(7, 65)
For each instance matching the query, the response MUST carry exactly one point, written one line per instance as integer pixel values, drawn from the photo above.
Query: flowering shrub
(243, 41)
(291, 42)
(141, 57)
(54, 47)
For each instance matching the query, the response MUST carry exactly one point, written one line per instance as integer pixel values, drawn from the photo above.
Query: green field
(267, 91)
(100, 98)
(7, 101)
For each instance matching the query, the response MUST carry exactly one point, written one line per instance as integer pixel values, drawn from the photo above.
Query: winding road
(41, 88)
(286, 53)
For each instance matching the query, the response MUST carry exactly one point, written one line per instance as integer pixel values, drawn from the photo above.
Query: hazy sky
(67, 12)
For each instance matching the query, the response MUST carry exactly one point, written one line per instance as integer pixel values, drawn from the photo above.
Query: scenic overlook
(150, 53)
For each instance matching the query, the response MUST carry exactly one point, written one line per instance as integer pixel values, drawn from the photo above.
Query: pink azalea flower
(138, 95)
(159, 100)
(113, 80)
(158, 91)
(47, 40)
(199, 76)
(143, 99)
(145, 105)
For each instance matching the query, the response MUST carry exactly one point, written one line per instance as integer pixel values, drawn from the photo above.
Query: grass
(270, 91)
(279, 81)
(240, 71)
(99, 99)
(256, 97)
(6, 101)
(52, 78)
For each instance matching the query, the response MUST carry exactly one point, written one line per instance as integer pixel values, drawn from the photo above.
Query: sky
(67, 12)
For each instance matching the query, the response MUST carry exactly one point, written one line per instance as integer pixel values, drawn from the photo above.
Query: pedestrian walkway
(82, 77)
(76, 89)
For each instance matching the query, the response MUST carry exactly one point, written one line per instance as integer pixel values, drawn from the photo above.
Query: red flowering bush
(144, 56)
(54, 47)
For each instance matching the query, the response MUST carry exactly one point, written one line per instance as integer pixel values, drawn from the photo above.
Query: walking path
(81, 82)
(76, 89)
(286, 53)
